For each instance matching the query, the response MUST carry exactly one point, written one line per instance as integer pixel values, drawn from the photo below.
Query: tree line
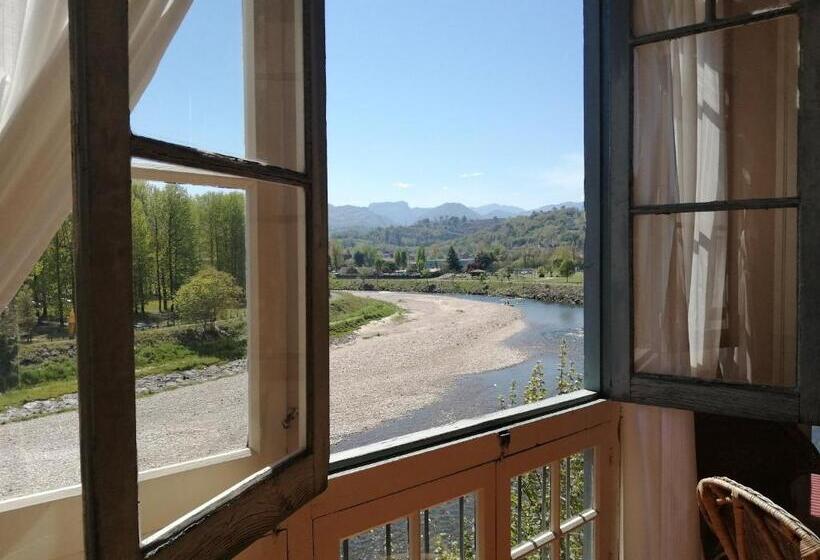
(175, 235)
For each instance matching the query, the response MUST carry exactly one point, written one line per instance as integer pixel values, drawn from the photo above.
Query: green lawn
(557, 290)
(349, 312)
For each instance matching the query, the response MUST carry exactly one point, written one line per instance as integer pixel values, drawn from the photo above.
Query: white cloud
(402, 185)
(565, 179)
(471, 174)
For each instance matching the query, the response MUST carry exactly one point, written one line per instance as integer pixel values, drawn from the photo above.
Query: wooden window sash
(100, 125)
(619, 382)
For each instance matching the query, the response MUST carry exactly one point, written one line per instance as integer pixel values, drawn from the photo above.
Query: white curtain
(679, 152)
(35, 141)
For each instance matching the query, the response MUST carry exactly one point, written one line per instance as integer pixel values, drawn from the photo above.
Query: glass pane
(448, 530)
(717, 295)
(191, 326)
(218, 91)
(389, 542)
(650, 16)
(220, 356)
(576, 483)
(715, 115)
(39, 424)
(529, 505)
(456, 229)
(729, 8)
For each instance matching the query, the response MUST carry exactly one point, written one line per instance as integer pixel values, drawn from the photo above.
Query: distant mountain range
(381, 214)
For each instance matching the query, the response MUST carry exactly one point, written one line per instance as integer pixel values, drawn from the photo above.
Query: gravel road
(393, 366)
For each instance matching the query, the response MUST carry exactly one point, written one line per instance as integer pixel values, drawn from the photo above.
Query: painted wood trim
(330, 529)
(808, 181)
(318, 356)
(239, 516)
(749, 401)
(176, 154)
(616, 290)
(712, 24)
(592, 195)
(100, 132)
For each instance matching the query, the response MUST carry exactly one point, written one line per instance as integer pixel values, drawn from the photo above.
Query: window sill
(425, 439)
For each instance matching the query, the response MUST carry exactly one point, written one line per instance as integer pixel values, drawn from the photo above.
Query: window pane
(191, 326)
(220, 339)
(715, 295)
(456, 229)
(448, 530)
(729, 8)
(650, 16)
(715, 115)
(217, 90)
(390, 541)
(39, 424)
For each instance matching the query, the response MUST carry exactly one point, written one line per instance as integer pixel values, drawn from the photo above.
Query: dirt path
(394, 366)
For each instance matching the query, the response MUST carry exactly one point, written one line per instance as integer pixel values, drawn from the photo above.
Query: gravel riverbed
(391, 367)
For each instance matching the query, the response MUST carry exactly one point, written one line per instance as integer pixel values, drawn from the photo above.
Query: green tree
(205, 296)
(336, 254)
(26, 311)
(421, 260)
(453, 263)
(566, 269)
(8, 348)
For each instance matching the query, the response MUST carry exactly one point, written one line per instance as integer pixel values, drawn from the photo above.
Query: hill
(539, 232)
(400, 213)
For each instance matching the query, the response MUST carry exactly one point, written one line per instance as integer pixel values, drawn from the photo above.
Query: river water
(475, 394)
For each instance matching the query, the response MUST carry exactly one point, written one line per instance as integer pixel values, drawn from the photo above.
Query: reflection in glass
(715, 115)
(729, 8)
(715, 295)
(650, 16)
(231, 81)
(191, 327)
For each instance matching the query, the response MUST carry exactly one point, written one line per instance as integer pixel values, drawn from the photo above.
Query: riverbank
(396, 366)
(545, 291)
(389, 369)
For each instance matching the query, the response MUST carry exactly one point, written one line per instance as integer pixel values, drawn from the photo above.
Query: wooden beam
(236, 518)
(318, 356)
(98, 35)
(176, 154)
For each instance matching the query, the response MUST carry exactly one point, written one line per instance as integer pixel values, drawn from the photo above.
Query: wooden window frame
(97, 32)
(798, 404)
(98, 40)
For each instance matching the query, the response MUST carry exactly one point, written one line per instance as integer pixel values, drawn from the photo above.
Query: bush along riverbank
(545, 291)
(49, 369)
(165, 358)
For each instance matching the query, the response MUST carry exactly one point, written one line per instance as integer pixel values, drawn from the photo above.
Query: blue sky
(429, 101)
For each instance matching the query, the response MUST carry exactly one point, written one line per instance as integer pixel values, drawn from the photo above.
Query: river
(475, 394)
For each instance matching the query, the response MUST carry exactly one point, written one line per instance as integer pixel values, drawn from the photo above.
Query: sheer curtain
(676, 162)
(35, 134)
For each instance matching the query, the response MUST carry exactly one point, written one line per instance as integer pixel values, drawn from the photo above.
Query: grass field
(551, 290)
(349, 312)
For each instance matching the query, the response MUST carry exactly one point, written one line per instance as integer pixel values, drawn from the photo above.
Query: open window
(281, 174)
(709, 207)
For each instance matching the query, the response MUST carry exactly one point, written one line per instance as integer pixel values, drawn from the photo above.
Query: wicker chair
(749, 526)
